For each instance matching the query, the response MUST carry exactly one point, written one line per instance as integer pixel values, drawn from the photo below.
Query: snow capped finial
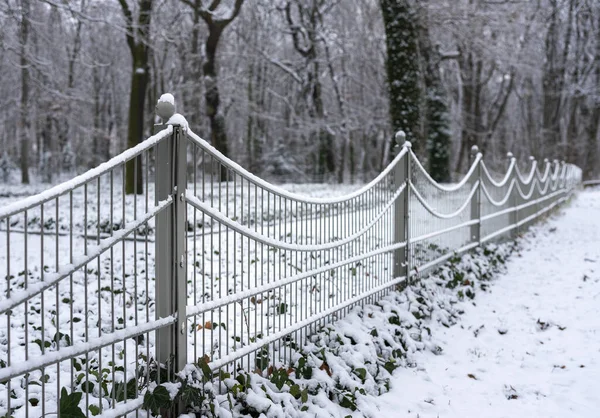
(400, 137)
(474, 150)
(546, 161)
(531, 158)
(509, 154)
(165, 108)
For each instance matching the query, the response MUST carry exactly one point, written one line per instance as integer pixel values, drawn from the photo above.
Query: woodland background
(302, 90)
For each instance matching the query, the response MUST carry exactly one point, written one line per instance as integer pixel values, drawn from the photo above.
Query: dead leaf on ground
(472, 376)
(543, 325)
(325, 367)
(478, 330)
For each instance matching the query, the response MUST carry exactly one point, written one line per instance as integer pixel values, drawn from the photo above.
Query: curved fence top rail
(282, 192)
(60, 189)
(526, 179)
(441, 187)
(507, 176)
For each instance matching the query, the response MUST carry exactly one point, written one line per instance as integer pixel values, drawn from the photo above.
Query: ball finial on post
(509, 155)
(401, 141)
(474, 150)
(165, 107)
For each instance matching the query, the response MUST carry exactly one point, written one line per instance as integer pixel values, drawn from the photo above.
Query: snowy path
(546, 362)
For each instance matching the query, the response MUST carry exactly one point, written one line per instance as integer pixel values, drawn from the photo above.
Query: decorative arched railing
(210, 263)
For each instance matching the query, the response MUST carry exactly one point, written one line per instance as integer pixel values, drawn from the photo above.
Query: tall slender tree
(24, 127)
(138, 40)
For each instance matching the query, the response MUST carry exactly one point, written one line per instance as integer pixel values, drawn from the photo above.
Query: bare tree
(217, 17)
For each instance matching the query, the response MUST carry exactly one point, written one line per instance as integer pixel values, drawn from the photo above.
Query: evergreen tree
(436, 121)
(438, 133)
(403, 69)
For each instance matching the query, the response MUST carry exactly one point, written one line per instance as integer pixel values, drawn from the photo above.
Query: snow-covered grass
(530, 347)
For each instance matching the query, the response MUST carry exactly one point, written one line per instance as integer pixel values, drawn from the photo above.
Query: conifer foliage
(403, 69)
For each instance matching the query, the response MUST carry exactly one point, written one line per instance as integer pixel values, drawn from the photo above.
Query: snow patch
(178, 120)
(167, 98)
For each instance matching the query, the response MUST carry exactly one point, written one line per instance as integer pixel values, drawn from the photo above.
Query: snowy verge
(343, 367)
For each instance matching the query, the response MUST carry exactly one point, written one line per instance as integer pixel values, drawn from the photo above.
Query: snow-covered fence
(240, 273)
(591, 183)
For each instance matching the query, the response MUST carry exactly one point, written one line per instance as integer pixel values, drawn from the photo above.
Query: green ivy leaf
(206, 371)
(362, 373)
(279, 378)
(304, 395)
(121, 392)
(69, 404)
(282, 309)
(157, 400)
(347, 402)
(94, 409)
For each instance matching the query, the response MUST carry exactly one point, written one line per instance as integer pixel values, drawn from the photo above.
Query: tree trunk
(135, 130)
(218, 134)
(24, 120)
(436, 124)
(403, 71)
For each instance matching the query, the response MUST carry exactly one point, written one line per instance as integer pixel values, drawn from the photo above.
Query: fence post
(401, 209)
(476, 199)
(513, 218)
(533, 208)
(170, 245)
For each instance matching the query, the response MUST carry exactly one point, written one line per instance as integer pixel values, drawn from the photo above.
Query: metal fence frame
(330, 239)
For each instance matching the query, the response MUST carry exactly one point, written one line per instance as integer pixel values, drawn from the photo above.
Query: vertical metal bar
(476, 199)
(180, 230)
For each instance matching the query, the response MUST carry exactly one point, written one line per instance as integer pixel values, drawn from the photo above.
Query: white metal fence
(211, 262)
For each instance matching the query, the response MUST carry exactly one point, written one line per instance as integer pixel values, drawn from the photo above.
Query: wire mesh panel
(267, 267)
(497, 203)
(77, 290)
(440, 216)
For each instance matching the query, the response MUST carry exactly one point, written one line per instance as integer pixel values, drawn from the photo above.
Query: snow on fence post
(171, 165)
(532, 208)
(513, 217)
(402, 176)
(563, 176)
(476, 199)
(556, 182)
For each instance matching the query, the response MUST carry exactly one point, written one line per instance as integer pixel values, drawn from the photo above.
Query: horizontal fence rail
(107, 291)
(591, 183)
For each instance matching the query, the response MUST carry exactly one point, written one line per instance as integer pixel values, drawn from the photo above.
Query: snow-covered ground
(530, 346)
